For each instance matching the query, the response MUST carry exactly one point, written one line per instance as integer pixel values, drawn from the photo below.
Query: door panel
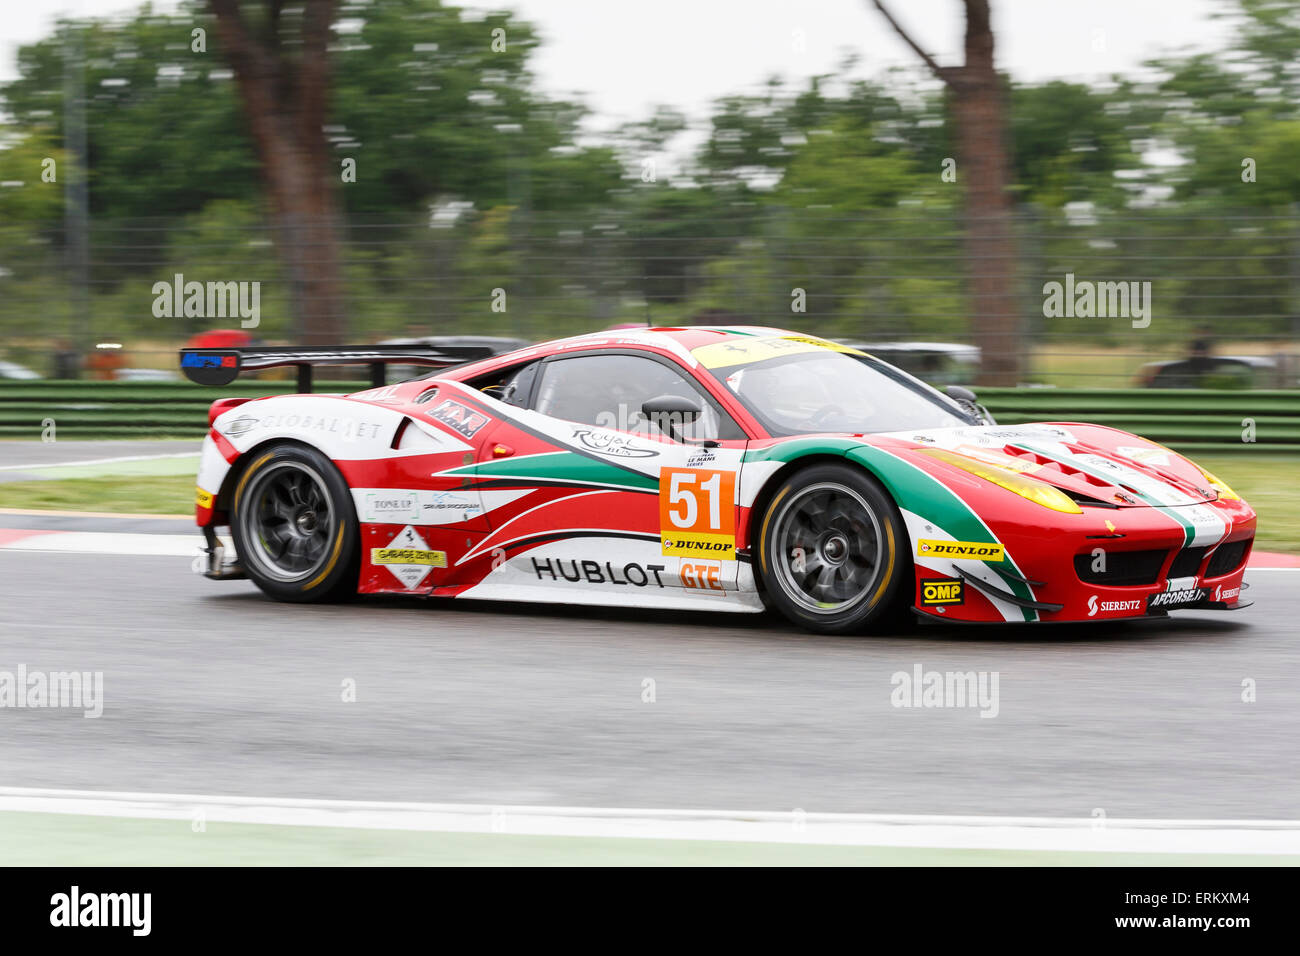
(602, 514)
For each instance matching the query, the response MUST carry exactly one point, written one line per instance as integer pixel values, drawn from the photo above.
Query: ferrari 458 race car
(722, 469)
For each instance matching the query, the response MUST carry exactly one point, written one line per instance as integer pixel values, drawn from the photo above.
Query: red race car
(724, 469)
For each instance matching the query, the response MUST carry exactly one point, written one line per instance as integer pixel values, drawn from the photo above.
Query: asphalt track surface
(212, 688)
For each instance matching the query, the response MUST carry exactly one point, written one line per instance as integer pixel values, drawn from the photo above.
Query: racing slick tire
(294, 525)
(832, 551)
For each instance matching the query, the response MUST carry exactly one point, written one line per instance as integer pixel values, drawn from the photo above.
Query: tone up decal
(426, 507)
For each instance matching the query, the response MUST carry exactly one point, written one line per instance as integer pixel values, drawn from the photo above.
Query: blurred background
(910, 176)
(409, 168)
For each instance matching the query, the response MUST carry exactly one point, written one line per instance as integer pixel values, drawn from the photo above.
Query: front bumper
(1102, 565)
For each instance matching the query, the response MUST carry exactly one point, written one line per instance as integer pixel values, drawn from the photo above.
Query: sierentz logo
(971, 550)
(1110, 607)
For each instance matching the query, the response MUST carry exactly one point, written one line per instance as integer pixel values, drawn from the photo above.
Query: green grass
(135, 494)
(42, 839)
(1270, 486)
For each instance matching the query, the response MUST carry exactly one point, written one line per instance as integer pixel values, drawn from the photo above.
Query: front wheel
(831, 550)
(294, 525)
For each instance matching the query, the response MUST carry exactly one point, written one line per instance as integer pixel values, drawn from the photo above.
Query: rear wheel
(294, 525)
(831, 550)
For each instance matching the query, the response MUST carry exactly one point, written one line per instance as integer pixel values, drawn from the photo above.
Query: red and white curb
(1253, 837)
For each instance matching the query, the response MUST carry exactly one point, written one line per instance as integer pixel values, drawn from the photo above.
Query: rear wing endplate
(221, 366)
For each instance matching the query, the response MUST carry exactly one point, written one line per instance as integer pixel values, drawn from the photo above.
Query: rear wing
(221, 366)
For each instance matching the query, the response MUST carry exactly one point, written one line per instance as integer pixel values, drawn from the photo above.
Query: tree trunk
(983, 168)
(284, 99)
(979, 115)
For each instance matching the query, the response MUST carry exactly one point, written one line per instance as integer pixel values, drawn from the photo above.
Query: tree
(976, 96)
(282, 70)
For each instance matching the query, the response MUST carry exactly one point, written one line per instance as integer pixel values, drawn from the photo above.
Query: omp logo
(971, 550)
(945, 591)
(1110, 607)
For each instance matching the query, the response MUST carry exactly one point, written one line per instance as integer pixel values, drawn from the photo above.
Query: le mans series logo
(965, 550)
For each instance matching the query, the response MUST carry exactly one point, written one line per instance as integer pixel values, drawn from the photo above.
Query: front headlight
(1036, 491)
(1223, 490)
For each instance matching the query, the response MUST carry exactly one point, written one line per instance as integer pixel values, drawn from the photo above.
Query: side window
(608, 391)
(512, 385)
(519, 386)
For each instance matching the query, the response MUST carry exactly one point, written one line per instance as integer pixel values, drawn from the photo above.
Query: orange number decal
(697, 513)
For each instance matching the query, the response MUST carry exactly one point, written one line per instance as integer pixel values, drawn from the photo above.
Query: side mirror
(960, 393)
(671, 412)
(966, 399)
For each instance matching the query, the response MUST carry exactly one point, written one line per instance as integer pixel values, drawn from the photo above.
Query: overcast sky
(624, 56)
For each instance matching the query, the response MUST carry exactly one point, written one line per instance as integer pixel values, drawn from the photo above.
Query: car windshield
(825, 390)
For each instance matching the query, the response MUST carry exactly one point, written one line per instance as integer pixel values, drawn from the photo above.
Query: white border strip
(99, 461)
(1263, 837)
(117, 543)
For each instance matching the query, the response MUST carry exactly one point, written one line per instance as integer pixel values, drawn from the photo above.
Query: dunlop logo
(720, 547)
(967, 550)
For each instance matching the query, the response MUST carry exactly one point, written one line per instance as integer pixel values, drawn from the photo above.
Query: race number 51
(697, 513)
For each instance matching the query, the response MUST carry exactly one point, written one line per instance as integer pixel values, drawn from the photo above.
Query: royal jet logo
(616, 446)
(966, 550)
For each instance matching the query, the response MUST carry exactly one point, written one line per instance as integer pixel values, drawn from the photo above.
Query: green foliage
(1068, 142)
(469, 179)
